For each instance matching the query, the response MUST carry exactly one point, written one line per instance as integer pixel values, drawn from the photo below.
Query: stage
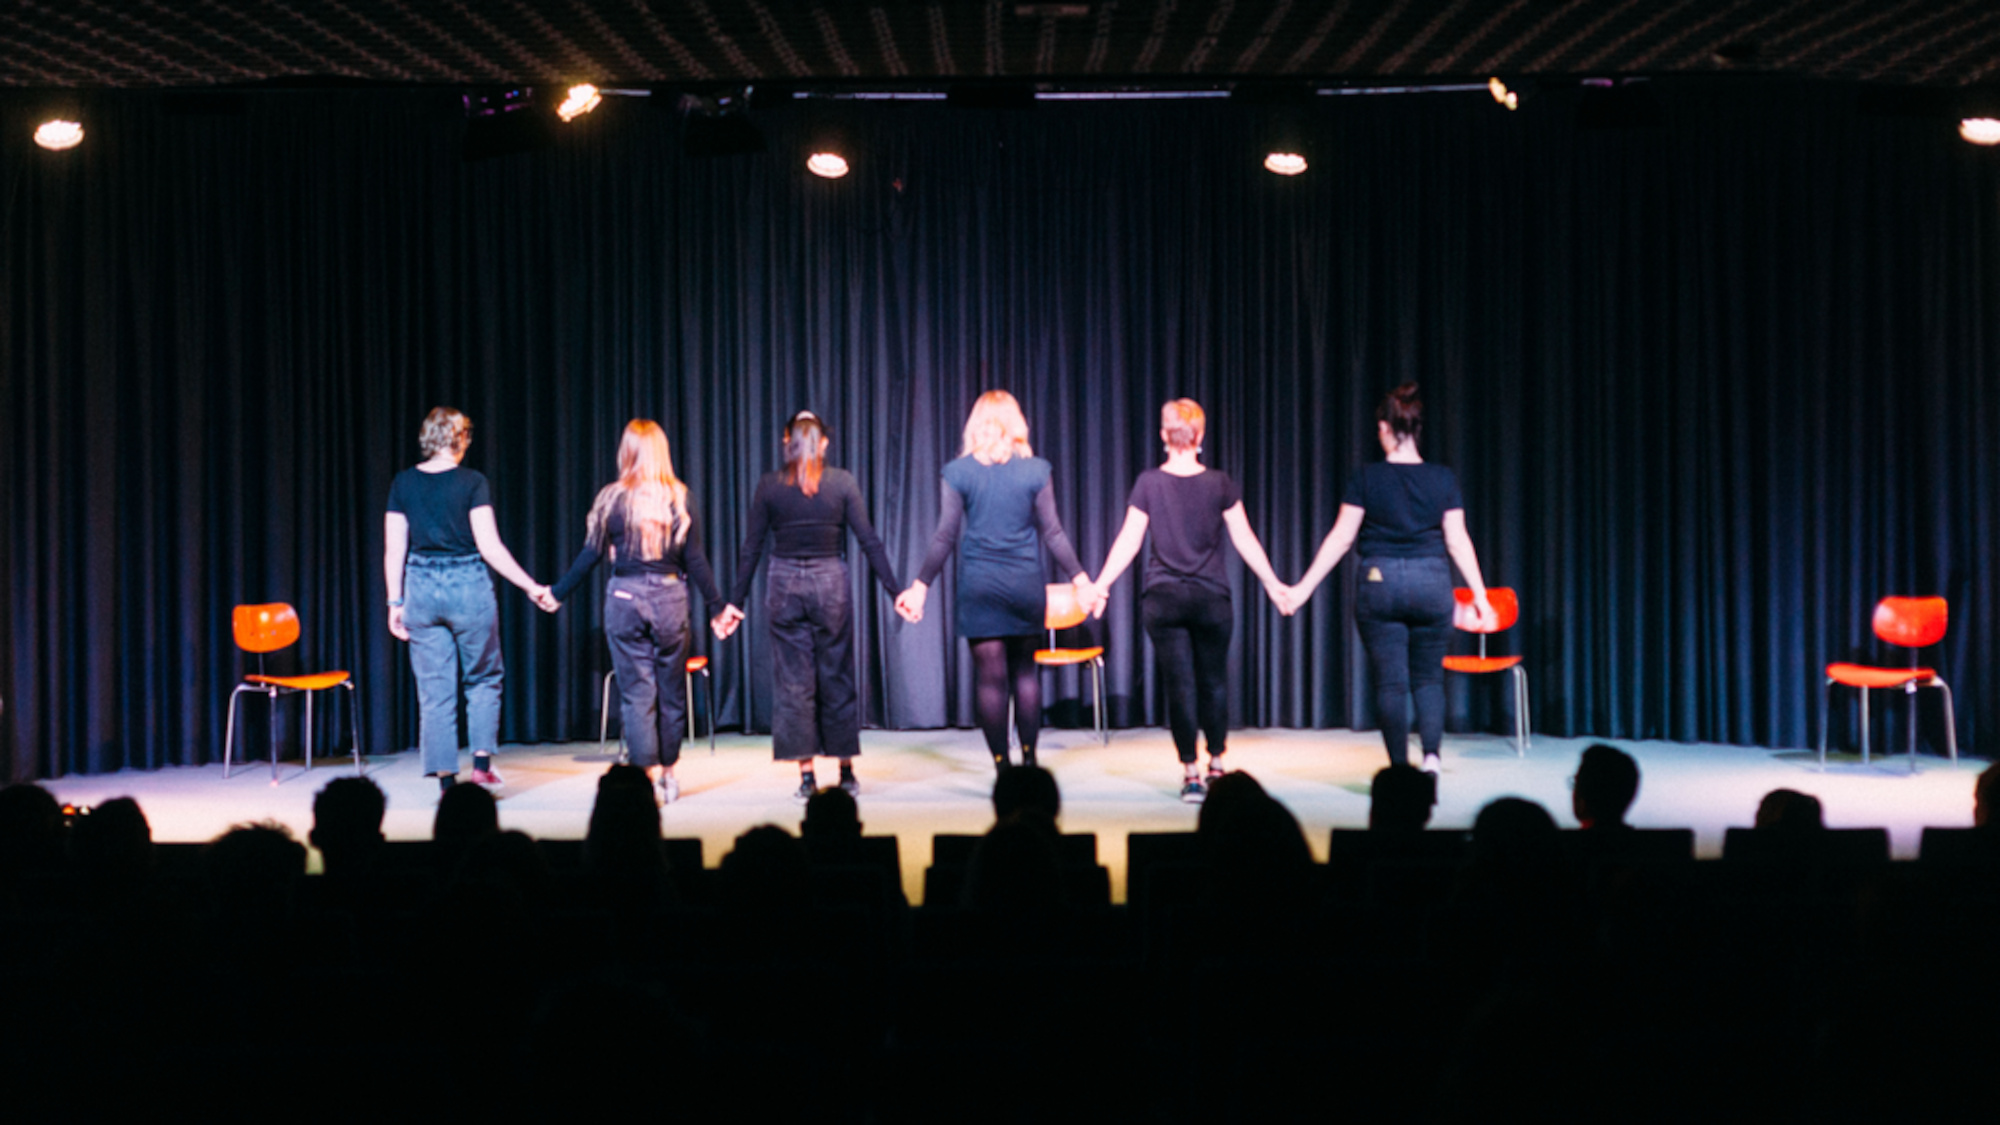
(916, 783)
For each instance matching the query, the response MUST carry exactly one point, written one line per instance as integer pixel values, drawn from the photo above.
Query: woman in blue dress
(997, 511)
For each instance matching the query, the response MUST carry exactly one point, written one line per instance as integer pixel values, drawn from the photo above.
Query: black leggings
(1001, 665)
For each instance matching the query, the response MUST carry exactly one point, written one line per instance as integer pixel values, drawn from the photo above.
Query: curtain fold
(1711, 389)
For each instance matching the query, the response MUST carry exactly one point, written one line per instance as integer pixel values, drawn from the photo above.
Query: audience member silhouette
(1606, 782)
(1028, 794)
(1261, 857)
(1400, 799)
(466, 814)
(765, 872)
(112, 848)
(30, 831)
(1015, 869)
(255, 869)
(347, 825)
(621, 850)
(1790, 812)
(1986, 798)
(831, 830)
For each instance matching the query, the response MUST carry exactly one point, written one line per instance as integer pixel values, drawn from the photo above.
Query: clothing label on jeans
(628, 597)
(1374, 574)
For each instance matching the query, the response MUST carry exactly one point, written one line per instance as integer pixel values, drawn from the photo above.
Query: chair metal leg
(604, 713)
(1910, 692)
(354, 723)
(1825, 719)
(271, 694)
(687, 688)
(309, 731)
(1103, 720)
(229, 730)
(1520, 712)
(1864, 726)
(708, 697)
(1950, 720)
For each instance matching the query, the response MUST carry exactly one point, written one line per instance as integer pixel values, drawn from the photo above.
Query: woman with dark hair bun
(807, 508)
(1410, 521)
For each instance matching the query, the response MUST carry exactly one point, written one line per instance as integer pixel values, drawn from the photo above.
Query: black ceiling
(183, 43)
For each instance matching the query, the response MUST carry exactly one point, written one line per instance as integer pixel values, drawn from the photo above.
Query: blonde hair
(1183, 423)
(996, 432)
(444, 428)
(655, 499)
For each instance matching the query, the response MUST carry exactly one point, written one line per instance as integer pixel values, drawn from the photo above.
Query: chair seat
(1068, 655)
(318, 681)
(1869, 676)
(1480, 663)
(697, 663)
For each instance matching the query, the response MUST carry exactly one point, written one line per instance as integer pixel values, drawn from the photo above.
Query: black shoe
(1193, 791)
(849, 785)
(807, 786)
(1027, 755)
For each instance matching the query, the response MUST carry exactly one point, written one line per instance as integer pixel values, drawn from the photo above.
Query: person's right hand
(396, 627)
(1286, 598)
(910, 603)
(545, 599)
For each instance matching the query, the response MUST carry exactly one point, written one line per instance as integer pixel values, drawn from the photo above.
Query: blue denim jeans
(814, 709)
(449, 610)
(1403, 611)
(646, 625)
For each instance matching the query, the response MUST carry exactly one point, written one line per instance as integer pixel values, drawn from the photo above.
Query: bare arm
(1238, 523)
(486, 534)
(1124, 549)
(395, 552)
(1459, 544)
(1345, 527)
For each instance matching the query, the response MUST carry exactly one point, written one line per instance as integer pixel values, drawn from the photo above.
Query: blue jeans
(453, 622)
(1403, 611)
(814, 708)
(646, 625)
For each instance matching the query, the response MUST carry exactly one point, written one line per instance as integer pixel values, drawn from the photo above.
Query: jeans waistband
(816, 562)
(1421, 562)
(644, 579)
(444, 562)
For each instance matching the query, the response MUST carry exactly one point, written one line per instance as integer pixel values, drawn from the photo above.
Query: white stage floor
(916, 783)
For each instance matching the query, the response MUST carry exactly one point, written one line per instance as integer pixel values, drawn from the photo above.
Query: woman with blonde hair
(998, 511)
(437, 540)
(1190, 509)
(806, 509)
(644, 521)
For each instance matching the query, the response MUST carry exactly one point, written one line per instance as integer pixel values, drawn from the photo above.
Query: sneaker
(1433, 765)
(1193, 792)
(849, 785)
(807, 787)
(486, 779)
(670, 789)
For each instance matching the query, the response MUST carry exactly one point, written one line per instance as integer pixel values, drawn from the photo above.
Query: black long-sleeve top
(809, 527)
(951, 519)
(622, 537)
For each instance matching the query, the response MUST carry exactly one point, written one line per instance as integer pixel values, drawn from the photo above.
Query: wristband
(395, 603)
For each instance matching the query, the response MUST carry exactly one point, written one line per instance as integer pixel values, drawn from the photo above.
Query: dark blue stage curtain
(1712, 388)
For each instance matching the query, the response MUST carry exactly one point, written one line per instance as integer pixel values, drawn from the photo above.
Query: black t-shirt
(809, 527)
(1184, 522)
(439, 508)
(1406, 506)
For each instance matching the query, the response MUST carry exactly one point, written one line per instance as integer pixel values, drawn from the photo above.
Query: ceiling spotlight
(1980, 130)
(58, 134)
(1285, 163)
(581, 100)
(830, 165)
(1502, 94)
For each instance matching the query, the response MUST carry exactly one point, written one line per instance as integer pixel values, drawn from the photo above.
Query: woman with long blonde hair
(644, 521)
(997, 510)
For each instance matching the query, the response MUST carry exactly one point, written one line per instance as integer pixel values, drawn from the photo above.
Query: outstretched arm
(1345, 527)
(1459, 544)
(1238, 523)
(486, 534)
(395, 552)
(1124, 549)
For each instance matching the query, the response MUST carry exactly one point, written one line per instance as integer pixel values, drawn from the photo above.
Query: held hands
(544, 598)
(1288, 599)
(910, 603)
(725, 623)
(1092, 597)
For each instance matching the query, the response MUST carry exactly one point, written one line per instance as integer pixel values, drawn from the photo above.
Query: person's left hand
(725, 623)
(545, 598)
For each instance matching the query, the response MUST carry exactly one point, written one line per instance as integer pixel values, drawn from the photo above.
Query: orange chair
(1911, 623)
(1506, 611)
(694, 664)
(1066, 612)
(267, 628)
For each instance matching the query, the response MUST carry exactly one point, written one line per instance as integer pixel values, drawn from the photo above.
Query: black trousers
(816, 710)
(1190, 626)
(646, 627)
(1403, 611)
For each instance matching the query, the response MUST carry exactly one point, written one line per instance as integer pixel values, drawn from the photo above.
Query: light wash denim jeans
(448, 608)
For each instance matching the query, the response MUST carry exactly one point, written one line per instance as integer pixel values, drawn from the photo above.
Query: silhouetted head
(1014, 868)
(1788, 810)
(113, 842)
(30, 828)
(1401, 799)
(624, 831)
(254, 867)
(1026, 791)
(1986, 798)
(1226, 794)
(465, 814)
(1607, 779)
(1515, 831)
(831, 814)
(1255, 842)
(347, 821)
(766, 870)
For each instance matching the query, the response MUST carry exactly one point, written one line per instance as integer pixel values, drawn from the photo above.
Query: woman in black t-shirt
(644, 522)
(1411, 524)
(1185, 605)
(438, 539)
(807, 509)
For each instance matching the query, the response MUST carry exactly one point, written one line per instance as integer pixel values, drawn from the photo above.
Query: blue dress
(999, 517)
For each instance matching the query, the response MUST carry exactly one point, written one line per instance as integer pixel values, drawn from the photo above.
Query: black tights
(1001, 664)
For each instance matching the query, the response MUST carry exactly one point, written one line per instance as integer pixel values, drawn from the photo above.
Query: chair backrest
(1064, 610)
(265, 628)
(1506, 609)
(1911, 622)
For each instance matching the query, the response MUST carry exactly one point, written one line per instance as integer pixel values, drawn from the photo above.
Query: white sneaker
(670, 790)
(1433, 765)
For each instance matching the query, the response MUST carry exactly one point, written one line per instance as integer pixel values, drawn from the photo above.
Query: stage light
(57, 134)
(1980, 130)
(718, 124)
(581, 100)
(830, 165)
(1502, 94)
(1285, 163)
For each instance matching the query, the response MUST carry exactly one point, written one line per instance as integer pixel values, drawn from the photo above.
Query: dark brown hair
(1403, 409)
(804, 461)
